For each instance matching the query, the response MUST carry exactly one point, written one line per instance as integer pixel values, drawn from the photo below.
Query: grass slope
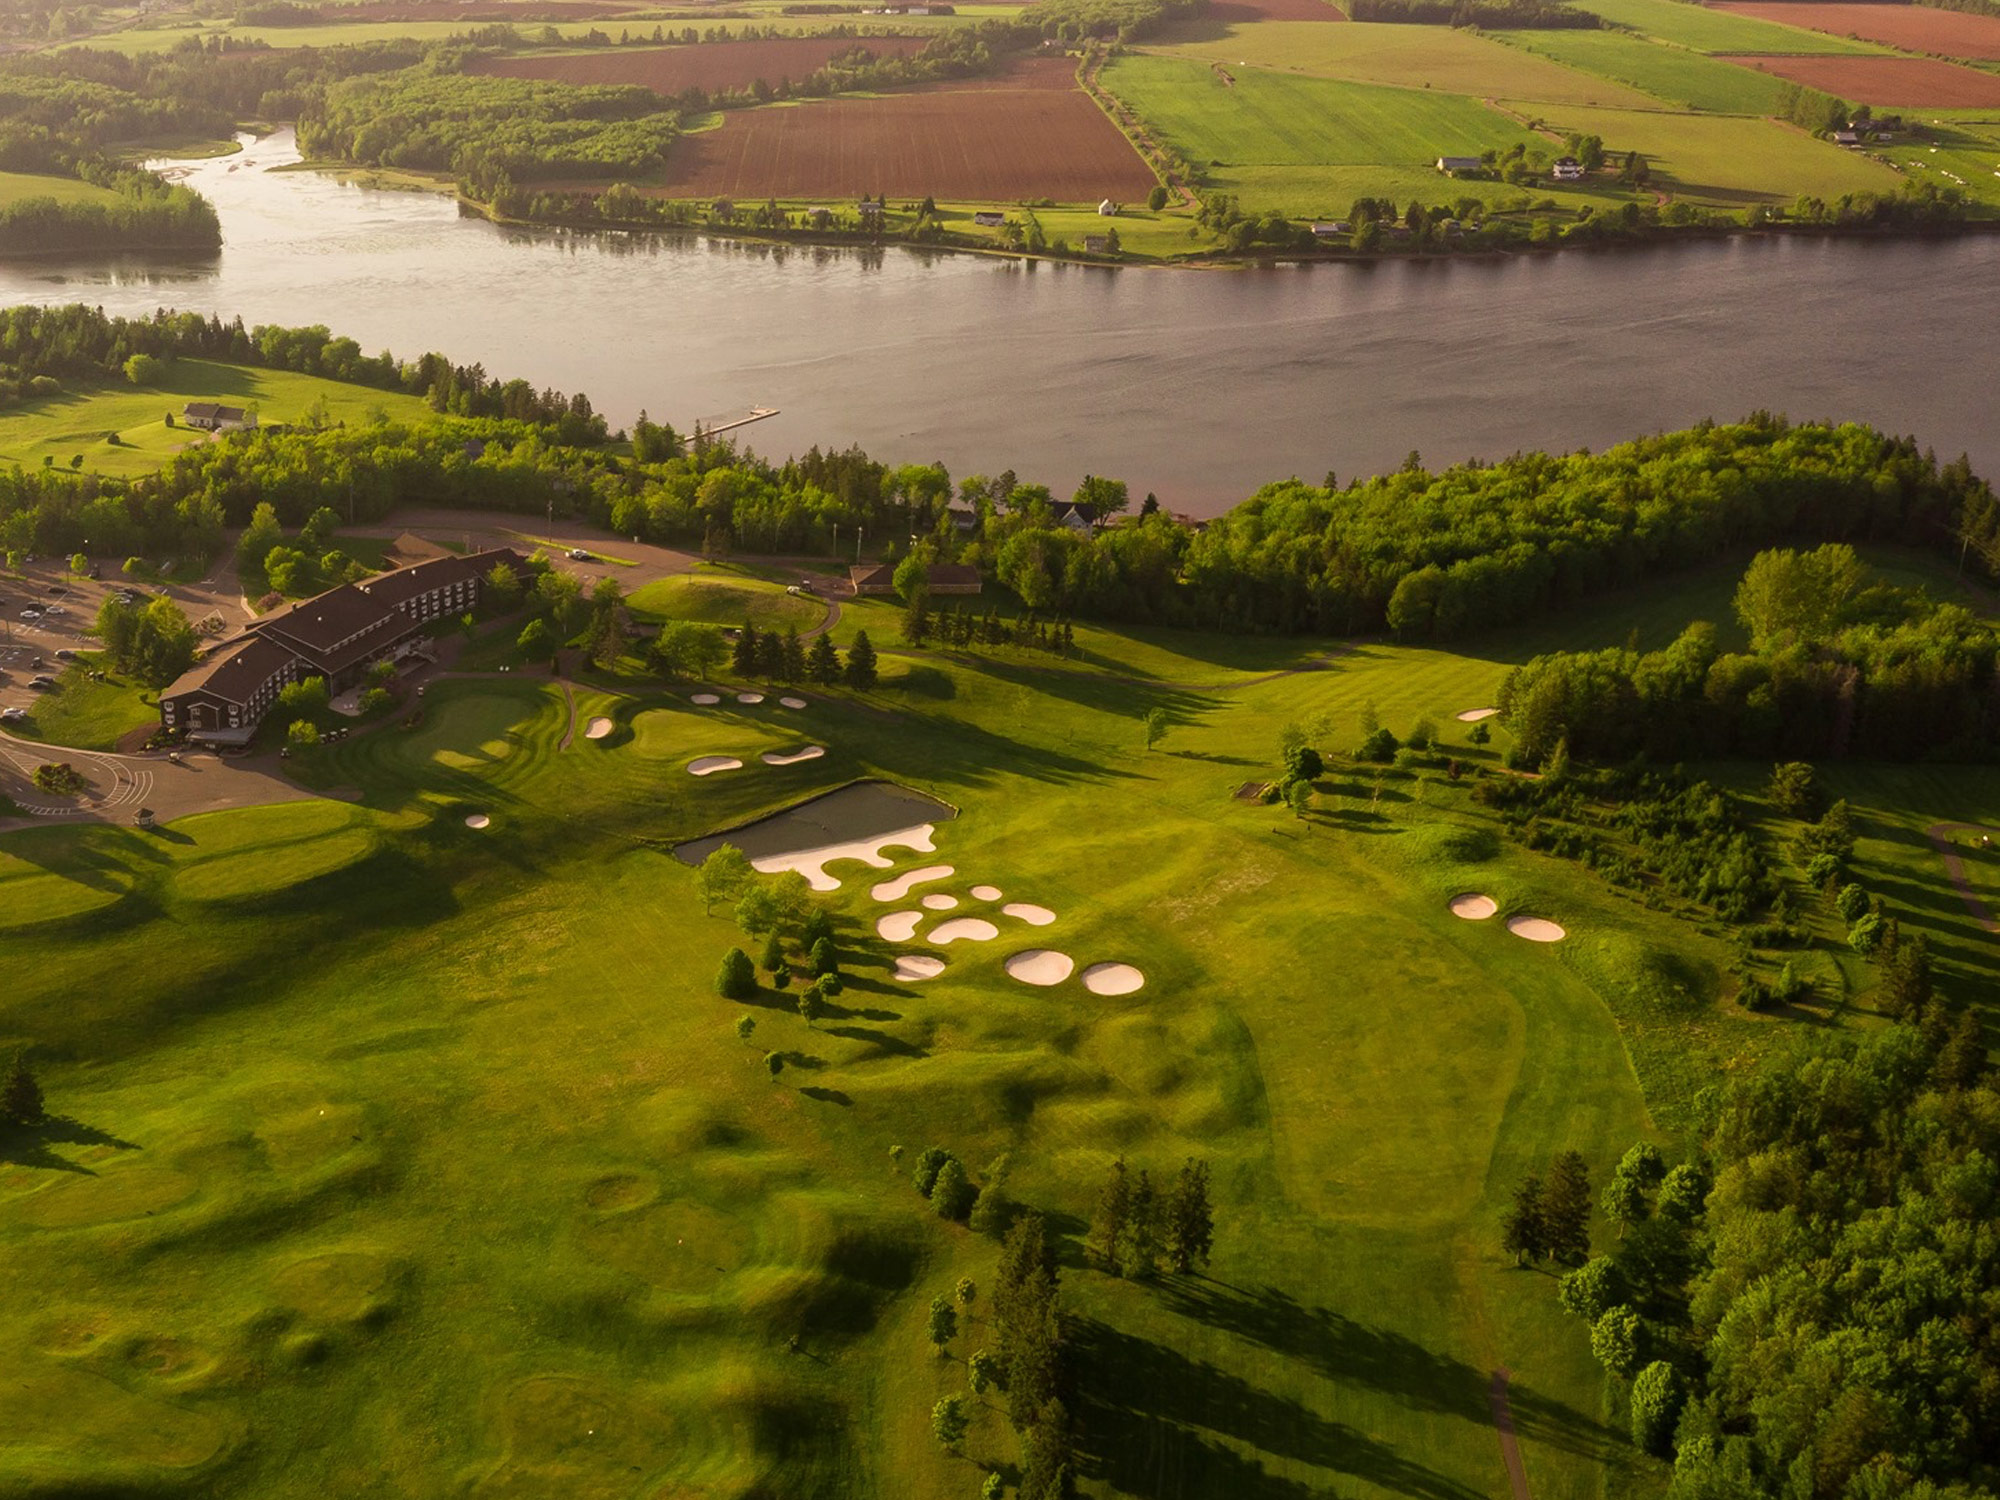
(79, 420)
(725, 594)
(16, 187)
(1670, 74)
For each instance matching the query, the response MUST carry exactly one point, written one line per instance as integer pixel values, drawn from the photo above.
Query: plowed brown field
(712, 66)
(1914, 28)
(1890, 82)
(1030, 134)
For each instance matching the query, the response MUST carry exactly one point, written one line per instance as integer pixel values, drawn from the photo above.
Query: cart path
(1503, 1422)
(569, 722)
(1940, 835)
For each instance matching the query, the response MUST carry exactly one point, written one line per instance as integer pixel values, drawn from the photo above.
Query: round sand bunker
(708, 765)
(912, 966)
(792, 702)
(1536, 929)
(899, 926)
(972, 929)
(598, 729)
(1042, 966)
(1027, 911)
(1112, 979)
(706, 698)
(1473, 908)
(749, 697)
(477, 820)
(939, 901)
(1474, 715)
(986, 893)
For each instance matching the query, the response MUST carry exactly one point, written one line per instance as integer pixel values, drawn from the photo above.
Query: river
(1197, 385)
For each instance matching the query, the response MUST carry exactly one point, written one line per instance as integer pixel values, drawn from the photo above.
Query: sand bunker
(812, 863)
(811, 752)
(477, 820)
(1474, 715)
(1536, 929)
(973, 929)
(706, 698)
(986, 893)
(913, 966)
(939, 901)
(1027, 911)
(1040, 966)
(899, 926)
(1112, 979)
(1473, 908)
(897, 889)
(749, 697)
(598, 729)
(708, 765)
(792, 702)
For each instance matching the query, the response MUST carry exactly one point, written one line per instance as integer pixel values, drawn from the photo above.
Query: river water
(1196, 385)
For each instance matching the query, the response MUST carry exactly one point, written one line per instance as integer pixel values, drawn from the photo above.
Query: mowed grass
(1673, 75)
(1706, 30)
(1729, 162)
(80, 712)
(724, 595)
(1453, 61)
(79, 420)
(18, 187)
(453, 1145)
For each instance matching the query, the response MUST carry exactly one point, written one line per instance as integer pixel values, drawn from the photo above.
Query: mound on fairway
(1042, 966)
(1112, 979)
(1472, 907)
(599, 728)
(1536, 929)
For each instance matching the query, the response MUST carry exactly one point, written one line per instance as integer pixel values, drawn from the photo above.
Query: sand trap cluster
(477, 820)
(1027, 911)
(939, 901)
(749, 697)
(1536, 929)
(986, 893)
(1474, 715)
(812, 863)
(708, 765)
(897, 889)
(598, 729)
(1043, 966)
(914, 966)
(792, 702)
(1473, 907)
(811, 752)
(899, 926)
(972, 929)
(706, 698)
(1112, 979)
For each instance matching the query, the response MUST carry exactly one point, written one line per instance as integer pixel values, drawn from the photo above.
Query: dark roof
(1083, 510)
(404, 584)
(322, 622)
(879, 573)
(233, 673)
(212, 410)
(948, 575)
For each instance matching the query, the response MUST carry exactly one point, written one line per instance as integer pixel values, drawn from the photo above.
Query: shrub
(145, 369)
(736, 979)
(1865, 936)
(1851, 902)
(1821, 869)
(1795, 790)
(952, 1193)
(1157, 198)
(1380, 745)
(825, 957)
(925, 1174)
(303, 734)
(376, 700)
(1303, 763)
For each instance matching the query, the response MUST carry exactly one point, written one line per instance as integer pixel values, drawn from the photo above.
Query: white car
(13, 715)
(577, 554)
(31, 614)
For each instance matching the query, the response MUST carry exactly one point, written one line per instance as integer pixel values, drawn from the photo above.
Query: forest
(1488, 14)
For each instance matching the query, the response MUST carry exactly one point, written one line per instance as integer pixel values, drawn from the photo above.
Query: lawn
(82, 419)
(1671, 74)
(1414, 57)
(722, 594)
(17, 187)
(440, 1135)
(1706, 30)
(1730, 163)
(80, 713)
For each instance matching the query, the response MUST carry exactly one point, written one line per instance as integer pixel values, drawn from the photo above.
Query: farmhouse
(336, 635)
(1451, 166)
(1847, 138)
(1108, 209)
(987, 218)
(1075, 516)
(1568, 169)
(210, 417)
(1097, 244)
(1333, 229)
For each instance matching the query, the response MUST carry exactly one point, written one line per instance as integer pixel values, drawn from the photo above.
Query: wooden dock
(757, 414)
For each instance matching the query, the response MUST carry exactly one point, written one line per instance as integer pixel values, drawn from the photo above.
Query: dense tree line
(1837, 665)
(1491, 15)
(1809, 109)
(148, 215)
(1126, 20)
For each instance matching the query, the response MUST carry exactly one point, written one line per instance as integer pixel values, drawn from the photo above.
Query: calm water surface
(1197, 385)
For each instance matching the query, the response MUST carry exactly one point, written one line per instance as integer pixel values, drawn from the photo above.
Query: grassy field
(440, 1134)
(1706, 30)
(1728, 162)
(81, 713)
(16, 187)
(724, 594)
(1670, 74)
(1414, 57)
(80, 420)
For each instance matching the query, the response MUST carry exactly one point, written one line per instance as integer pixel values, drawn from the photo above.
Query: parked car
(31, 613)
(58, 589)
(578, 554)
(13, 715)
(63, 655)
(55, 609)
(43, 681)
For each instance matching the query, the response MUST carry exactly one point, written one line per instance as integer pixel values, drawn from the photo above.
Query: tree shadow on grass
(828, 1096)
(33, 1145)
(881, 1041)
(1143, 1408)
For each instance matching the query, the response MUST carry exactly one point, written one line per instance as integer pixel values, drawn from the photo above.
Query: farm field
(712, 67)
(18, 187)
(1888, 82)
(1029, 134)
(1730, 162)
(1669, 74)
(1237, 12)
(1415, 57)
(78, 421)
(1912, 28)
(1712, 29)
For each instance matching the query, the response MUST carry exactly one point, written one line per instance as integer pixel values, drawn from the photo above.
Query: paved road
(122, 784)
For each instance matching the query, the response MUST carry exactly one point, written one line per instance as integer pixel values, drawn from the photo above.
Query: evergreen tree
(1524, 1232)
(1190, 1219)
(825, 957)
(861, 672)
(1566, 1209)
(21, 1100)
(812, 1003)
(772, 958)
(993, 1211)
(1657, 1397)
(1027, 1320)
(1139, 1252)
(736, 979)
(818, 925)
(770, 656)
(823, 662)
(925, 1174)
(793, 656)
(917, 621)
(1107, 1228)
(953, 1192)
(1906, 978)
(1047, 1454)
(743, 658)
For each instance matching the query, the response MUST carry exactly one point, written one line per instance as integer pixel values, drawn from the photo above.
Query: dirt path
(1503, 1422)
(569, 724)
(1941, 836)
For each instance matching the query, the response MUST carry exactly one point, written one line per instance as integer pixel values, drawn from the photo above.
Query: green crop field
(1729, 162)
(1671, 74)
(17, 187)
(80, 420)
(1416, 57)
(1706, 30)
(440, 1135)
